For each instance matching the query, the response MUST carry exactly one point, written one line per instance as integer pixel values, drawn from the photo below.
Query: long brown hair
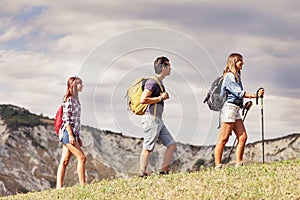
(231, 65)
(72, 88)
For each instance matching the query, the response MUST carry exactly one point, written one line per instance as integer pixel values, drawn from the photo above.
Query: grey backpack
(214, 99)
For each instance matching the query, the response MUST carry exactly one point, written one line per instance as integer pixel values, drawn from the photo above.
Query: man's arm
(147, 99)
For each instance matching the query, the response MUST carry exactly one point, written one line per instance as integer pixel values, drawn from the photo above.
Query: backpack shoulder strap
(161, 89)
(158, 82)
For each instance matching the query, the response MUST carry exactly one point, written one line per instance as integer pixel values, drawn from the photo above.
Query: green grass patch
(279, 180)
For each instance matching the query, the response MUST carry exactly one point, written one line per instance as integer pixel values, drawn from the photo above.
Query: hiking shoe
(164, 172)
(142, 174)
(219, 166)
(240, 164)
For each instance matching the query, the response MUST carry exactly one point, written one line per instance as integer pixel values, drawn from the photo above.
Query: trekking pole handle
(247, 106)
(257, 95)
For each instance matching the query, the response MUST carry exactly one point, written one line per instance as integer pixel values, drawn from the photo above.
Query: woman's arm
(70, 133)
(248, 95)
(68, 119)
(260, 94)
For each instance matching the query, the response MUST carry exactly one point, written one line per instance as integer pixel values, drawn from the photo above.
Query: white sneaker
(219, 166)
(240, 164)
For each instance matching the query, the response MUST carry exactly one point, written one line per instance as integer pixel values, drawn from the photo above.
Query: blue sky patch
(16, 44)
(29, 12)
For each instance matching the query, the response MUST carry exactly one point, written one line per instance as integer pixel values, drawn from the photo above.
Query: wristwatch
(161, 98)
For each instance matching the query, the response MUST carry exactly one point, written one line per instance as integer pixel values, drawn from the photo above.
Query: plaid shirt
(71, 115)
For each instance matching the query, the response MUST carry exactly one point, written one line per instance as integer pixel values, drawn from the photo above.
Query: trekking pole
(246, 107)
(262, 122)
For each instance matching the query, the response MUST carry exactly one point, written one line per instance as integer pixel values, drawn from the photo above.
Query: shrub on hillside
(14, 117)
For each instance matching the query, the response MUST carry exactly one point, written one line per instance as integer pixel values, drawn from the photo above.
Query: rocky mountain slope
(30, 153)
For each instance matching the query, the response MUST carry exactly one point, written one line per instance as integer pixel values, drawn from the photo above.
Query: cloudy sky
(111, 43)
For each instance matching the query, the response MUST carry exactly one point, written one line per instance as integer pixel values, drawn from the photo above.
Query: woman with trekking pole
(231, 119)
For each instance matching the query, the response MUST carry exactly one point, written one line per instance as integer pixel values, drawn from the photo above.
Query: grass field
(278, 180)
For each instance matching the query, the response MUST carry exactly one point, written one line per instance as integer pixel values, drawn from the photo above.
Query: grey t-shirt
(152, 85)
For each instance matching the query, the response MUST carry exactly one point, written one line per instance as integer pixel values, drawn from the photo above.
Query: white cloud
(44, 42)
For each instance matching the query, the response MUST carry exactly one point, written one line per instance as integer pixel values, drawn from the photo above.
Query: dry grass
(280, 180)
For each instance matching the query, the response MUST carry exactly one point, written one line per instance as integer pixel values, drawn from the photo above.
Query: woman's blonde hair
(231, 65)
(72, 87)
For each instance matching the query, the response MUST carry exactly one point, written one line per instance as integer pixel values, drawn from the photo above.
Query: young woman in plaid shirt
(70, 132)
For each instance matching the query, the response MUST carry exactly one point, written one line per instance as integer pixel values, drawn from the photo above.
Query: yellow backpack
(134, 94)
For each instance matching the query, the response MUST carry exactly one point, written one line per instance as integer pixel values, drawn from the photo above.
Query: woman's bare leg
(65, 157)
(78, 153)
(225, 132)
(240, 132)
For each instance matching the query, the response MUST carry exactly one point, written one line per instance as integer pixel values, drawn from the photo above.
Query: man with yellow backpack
(152, 99)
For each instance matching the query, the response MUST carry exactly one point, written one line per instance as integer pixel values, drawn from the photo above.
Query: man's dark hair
(159, 63)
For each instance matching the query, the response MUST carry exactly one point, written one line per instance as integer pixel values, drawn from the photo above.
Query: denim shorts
(153, 130)
(230, 112)
(65, 137)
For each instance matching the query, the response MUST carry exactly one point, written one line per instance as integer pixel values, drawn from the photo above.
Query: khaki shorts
(155, 130)
(230, 112)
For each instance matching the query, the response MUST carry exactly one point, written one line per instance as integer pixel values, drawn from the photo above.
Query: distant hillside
(14, 117)
(30, 153)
